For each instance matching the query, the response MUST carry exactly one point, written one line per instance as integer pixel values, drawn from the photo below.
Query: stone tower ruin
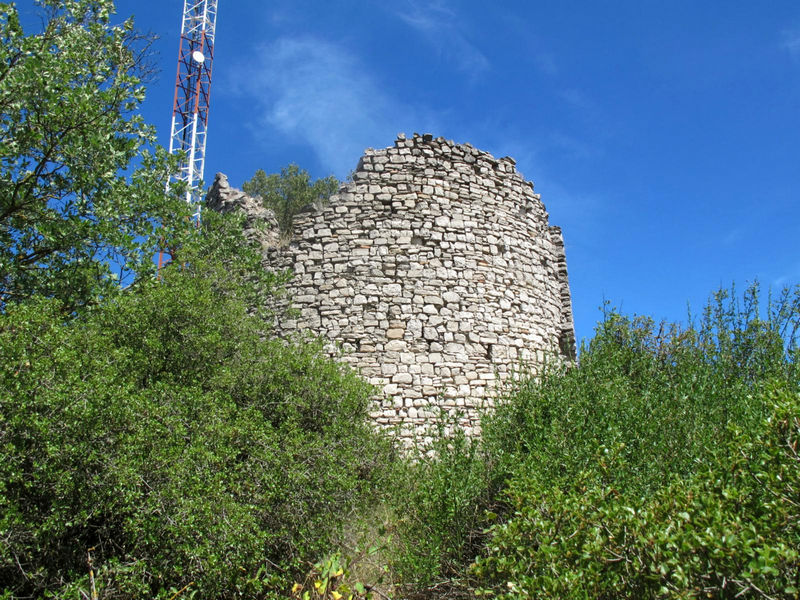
(434, 273)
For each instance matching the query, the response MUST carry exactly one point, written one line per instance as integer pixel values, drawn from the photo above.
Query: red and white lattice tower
(193, 93)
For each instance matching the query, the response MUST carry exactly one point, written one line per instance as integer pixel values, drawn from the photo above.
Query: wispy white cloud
(791, 42)
(789, 277)
(598, 123)
(733, 236)
(317, 92)
(440, 25)
(573, 147)
(283, 15)
(578, 100)
(546, 63)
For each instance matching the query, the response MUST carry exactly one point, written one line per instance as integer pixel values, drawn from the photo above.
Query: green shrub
(663, 395)
(169, 434)
(647, 406)
(440, 497)
(663, 465)
(729, 531)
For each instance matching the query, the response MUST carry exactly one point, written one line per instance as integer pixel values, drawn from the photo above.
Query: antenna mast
(193, 93)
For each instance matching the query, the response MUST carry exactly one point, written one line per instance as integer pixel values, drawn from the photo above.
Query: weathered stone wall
(436, 272)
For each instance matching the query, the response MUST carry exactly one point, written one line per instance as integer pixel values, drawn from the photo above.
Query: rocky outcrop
(260, 223)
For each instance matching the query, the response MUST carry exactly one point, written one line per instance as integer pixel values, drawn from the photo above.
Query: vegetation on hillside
(165, 433)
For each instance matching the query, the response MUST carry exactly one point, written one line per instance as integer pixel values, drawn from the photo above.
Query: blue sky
(662, 135)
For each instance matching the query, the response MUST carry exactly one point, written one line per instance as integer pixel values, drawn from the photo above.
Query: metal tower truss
(193, 93)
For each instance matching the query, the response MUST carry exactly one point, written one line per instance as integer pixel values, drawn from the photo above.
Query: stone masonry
(434, 272)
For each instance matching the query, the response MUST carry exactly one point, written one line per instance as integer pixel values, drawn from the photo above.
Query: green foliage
(72, 225)
(661, 395)
(330, 579)
(655, 468)
(441, 495)
(168, 432)
(289, 192)
(157, 442)
(571, 456)
(729, 531)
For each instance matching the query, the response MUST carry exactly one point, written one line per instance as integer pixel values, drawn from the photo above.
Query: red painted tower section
(193, 93)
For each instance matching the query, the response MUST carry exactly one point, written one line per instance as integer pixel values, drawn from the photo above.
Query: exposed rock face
(436, 272)
(259, 224)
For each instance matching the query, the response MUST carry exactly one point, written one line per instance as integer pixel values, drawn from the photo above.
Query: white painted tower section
(193, 93)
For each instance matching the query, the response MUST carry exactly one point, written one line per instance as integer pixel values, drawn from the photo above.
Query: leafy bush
(648, 407)
(169, 434)
(661, 395)
(729, 531)
(440, 495)
(658, 467)
(289, 193)
(156, 441)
